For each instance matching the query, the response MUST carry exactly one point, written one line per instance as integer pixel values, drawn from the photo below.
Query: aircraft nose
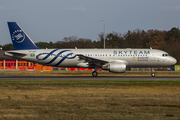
(173, 61)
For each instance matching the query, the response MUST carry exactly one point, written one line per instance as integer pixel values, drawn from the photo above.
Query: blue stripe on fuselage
(56, 56)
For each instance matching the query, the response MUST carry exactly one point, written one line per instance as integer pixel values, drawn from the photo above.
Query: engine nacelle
(83, 65)
(117, 67)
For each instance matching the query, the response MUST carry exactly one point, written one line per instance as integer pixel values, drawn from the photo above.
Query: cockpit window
(164, 55)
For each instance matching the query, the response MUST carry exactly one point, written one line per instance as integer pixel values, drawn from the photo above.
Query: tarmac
(6, 77)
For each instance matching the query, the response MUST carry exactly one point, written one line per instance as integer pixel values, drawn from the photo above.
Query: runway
(4, 77)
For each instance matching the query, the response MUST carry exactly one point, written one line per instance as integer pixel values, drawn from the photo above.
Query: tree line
(168, 41)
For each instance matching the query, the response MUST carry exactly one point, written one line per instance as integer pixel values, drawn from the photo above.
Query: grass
(86, 100)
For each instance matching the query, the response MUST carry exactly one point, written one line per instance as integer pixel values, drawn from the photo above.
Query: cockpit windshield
(164, 55)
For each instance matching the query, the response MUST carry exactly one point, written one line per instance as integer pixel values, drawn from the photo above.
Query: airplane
(113, 60)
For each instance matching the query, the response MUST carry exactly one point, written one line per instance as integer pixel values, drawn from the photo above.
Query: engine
(115, 67)
(83, 65)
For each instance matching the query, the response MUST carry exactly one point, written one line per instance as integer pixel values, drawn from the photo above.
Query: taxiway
(6, 77)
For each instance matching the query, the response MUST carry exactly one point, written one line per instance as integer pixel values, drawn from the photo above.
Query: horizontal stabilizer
(11, 53)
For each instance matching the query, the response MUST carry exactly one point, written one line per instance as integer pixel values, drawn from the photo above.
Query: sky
(52, 20)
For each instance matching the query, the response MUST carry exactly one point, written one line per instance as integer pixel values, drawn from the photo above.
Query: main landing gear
(152, 72)
(94, 74)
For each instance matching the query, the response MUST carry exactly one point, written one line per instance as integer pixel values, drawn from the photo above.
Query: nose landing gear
(152, 72)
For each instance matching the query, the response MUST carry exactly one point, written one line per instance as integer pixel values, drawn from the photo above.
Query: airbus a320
(113, 60)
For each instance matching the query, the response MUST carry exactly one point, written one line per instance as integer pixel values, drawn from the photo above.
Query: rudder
(20, 40)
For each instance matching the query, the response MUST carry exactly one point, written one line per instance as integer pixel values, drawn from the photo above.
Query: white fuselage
(69, 58)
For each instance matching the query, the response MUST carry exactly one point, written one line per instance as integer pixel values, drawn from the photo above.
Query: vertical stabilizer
(20, 40)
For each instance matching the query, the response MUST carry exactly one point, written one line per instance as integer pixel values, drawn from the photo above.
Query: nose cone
(171, 61)
(174, 61)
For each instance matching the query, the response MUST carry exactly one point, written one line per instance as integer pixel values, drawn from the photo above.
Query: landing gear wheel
(152, 74)
(94, 74)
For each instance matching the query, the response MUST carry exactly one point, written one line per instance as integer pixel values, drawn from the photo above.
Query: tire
(94, 74)
(153, 74)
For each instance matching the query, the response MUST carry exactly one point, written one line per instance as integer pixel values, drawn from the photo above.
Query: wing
(92, 61)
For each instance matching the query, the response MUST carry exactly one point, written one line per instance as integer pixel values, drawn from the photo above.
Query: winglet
(20, 40)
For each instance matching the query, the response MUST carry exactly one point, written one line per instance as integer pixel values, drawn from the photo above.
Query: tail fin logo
(18, 36)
